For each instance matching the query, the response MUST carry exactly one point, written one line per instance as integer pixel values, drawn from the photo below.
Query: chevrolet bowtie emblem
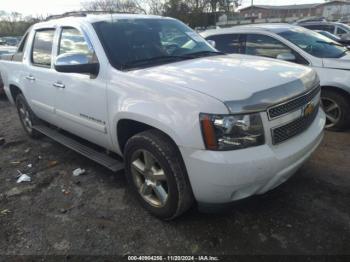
(309, 109)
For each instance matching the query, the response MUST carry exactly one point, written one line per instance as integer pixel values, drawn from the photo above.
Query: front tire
(157, 175)
(27, 117)
(337, 109)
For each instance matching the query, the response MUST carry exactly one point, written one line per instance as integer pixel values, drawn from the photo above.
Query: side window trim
(19, 55)
(52, 49)
(243, 42)
(23, 43)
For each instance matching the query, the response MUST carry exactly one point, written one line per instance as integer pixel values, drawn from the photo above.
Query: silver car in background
(339, 29)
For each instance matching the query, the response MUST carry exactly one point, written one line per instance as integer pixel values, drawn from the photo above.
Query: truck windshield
(139, 43)
(315, 44)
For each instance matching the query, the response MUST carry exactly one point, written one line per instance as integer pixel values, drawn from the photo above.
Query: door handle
(59, 85)
(30, 78)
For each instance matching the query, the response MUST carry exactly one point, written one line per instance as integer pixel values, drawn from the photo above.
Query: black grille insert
(283, 133)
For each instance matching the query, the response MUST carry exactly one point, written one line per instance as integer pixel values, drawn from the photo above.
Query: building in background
(332, 10)
(286, 11)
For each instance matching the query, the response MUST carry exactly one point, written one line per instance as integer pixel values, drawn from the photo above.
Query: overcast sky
(44, 7)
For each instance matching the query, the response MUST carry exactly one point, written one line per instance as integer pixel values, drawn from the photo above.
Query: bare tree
(14, 24)
(123, 6)
(155, 7)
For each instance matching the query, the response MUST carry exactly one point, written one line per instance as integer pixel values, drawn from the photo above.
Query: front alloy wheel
(149, 178)
(157, 175)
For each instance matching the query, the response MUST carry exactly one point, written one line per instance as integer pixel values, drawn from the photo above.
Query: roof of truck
(92, 18)
(82, 18)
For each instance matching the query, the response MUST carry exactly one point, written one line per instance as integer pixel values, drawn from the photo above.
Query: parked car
(302, 46)
(7, 50)
(11, 41)
(338, 29)
(335, 38)
(189, 122)
(311, 19)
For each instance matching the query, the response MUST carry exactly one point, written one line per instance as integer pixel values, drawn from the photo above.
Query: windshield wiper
(154, 60)
(167, 59)
(203, 53)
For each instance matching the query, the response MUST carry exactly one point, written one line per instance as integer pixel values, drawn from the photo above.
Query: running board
(103, 159)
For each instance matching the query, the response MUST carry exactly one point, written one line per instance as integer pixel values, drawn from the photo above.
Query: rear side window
(262, 45)
(72, 41)
(341, 31)
(42, 47)
(228, 43)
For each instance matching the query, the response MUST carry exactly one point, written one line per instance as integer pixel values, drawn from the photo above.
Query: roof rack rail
(312, 19)
(83, 14)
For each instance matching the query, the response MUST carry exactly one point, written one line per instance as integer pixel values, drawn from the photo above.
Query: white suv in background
(302, 46)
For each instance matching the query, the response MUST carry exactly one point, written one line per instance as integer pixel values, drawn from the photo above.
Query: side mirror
(212, 43)
(76, 63)
(286, 57)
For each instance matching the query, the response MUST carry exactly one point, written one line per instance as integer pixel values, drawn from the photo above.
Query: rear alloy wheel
(337, 109)
(157, 175)
(26, 116)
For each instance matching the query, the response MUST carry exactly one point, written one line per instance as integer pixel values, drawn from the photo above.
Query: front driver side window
(72, 41)
(266, 46)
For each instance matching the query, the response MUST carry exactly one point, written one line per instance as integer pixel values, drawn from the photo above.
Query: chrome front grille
(304, 110)
(294, 128)
(290, 106)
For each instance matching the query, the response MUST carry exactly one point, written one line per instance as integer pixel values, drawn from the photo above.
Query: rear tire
(157, 175)
(27, 117)
(337, 109)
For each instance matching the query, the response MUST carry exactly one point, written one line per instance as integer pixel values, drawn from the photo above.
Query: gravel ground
(95, 214)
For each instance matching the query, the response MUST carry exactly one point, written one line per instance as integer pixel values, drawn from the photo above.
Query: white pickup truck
(188, 123)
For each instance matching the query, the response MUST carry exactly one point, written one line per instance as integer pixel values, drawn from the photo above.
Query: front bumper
(223, 177)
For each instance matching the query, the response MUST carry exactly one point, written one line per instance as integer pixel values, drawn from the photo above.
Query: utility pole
(252, 2)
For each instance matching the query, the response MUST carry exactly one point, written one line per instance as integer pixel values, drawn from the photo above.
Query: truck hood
(243, 83)
(337, 63)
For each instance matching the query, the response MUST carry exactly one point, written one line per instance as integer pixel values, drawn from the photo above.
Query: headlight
(231, 132)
